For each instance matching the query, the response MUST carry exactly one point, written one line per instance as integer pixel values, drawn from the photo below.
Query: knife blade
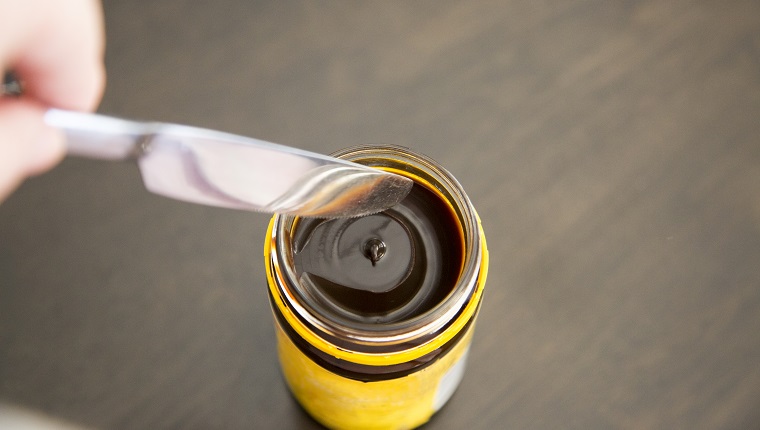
(221, 169)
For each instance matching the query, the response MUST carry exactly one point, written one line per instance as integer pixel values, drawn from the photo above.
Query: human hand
(56, 48)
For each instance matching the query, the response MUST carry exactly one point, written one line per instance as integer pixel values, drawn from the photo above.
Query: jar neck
(408, 333)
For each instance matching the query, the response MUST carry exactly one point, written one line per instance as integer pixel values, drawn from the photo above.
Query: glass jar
(374, 315)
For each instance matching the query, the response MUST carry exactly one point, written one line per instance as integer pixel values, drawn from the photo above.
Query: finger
(27, 145)
(56, 48)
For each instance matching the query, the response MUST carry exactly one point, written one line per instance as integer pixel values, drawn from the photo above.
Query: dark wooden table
(612, 149)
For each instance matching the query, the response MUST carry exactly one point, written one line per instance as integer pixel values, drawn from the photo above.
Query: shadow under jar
(374, 315)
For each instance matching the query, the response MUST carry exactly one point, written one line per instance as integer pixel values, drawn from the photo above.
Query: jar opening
(399, 275)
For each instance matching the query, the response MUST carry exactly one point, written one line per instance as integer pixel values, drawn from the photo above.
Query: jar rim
(408, 332)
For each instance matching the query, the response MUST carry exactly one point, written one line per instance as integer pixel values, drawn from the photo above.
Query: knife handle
(88, 135)
(98, 136)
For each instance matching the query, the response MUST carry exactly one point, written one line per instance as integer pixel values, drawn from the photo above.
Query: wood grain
(612, 150)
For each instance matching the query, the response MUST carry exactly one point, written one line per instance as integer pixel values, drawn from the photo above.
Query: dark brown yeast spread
(381, 268)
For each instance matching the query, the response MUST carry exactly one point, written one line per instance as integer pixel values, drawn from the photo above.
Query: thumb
(27, 145)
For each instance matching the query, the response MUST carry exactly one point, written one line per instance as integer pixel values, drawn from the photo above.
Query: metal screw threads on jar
(374, 315)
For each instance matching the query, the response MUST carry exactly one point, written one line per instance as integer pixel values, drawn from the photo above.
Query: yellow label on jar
(343, 403)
